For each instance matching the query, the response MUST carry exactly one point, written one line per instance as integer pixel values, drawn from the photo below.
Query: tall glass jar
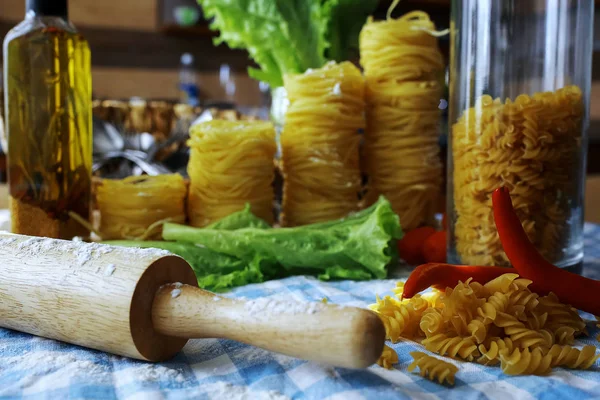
(520, 81)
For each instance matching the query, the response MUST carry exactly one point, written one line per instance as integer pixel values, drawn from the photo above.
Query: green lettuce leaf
(215, 271)
(240, 219)
(281, 36)
(240, 249)
(345, 19)
(357, 247)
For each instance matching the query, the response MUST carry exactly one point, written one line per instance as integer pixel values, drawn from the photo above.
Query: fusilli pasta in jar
(531, 145)
(519, 110)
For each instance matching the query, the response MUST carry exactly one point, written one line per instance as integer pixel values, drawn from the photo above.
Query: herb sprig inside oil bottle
(48, 100)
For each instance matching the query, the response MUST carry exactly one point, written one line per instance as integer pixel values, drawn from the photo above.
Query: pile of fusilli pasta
(320, 144)
(501, 322)
(530, 145)
(403, 69)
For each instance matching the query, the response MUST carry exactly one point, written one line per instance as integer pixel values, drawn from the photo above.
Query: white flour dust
(110, 268)
(155, 372)
(176, 288)
(271, 306)
(83, 252)
(225, 390)
(337, 89)
(59, 365)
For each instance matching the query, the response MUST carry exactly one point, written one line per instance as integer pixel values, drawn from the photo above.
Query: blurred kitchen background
(158, 56)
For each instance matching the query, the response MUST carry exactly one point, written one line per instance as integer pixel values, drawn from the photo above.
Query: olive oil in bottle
(48, 105)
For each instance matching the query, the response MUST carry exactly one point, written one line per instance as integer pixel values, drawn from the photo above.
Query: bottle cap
(48, 8)
(187, 59)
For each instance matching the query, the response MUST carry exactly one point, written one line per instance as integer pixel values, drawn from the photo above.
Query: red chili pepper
(411, 245)
(578, 291)
(434, 247)
(441, 276)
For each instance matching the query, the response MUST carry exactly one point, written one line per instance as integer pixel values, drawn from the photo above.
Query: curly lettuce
(357, 247)
(281, 36)
(242, 249)
(288, 36)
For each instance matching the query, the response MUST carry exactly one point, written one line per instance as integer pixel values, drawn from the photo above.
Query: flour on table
(60, 365)
(175, 293)
(225, 390)
(155, 372)
(283, 360)
(44, 367)
(216, 298)
(266, 305)
(254, 354)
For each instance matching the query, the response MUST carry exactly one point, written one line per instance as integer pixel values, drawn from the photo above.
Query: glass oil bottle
(48, 105)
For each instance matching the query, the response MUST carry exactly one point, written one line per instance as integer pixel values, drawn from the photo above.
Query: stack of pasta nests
(320, 144)
(529, 145)
(501, 322)
(403, 69)
(231, 165)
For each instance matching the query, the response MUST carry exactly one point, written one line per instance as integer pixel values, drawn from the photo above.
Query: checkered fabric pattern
(36, 368)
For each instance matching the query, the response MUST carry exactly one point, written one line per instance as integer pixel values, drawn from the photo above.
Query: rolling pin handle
(347, 337)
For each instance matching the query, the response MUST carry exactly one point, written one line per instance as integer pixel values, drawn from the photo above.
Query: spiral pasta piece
(134, 207)
(231, 165)
(526, 299)
(400, 317)
(433, 368)
(525, 144)
(432, 322)
(388, 357)
(490, 353)
(452, 347)
(498, 302)
(525, 362)
(570, 357)
(537, 320)
(528, 338)
(320, 144)
(502, 284)
(560, 315)
(478, 330)
(403, 68)
(564, 335)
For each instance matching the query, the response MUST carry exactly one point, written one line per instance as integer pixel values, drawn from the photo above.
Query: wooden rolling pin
(145, 304)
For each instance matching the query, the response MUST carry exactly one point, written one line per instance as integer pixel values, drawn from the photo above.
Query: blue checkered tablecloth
(37, 368)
